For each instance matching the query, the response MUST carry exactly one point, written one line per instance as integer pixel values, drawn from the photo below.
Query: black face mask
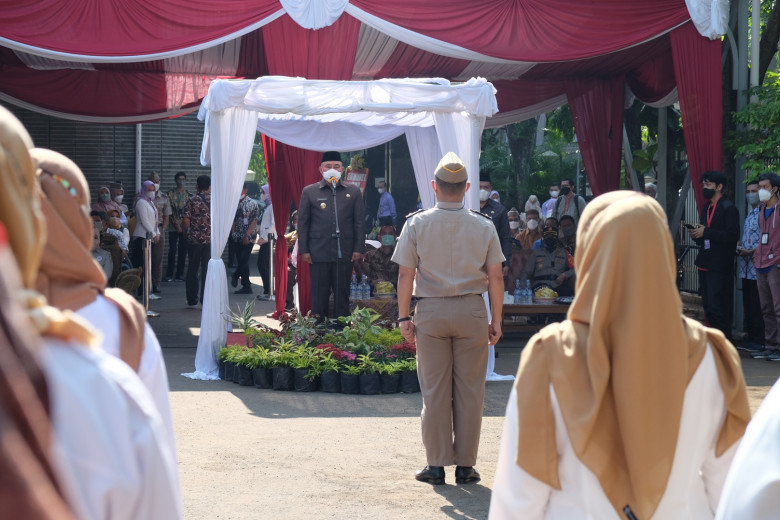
(551, 243)
(707, 193)
(565, 190)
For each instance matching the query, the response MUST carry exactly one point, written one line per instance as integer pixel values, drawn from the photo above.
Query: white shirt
(110, 449)
(694, 484)
(104, 316)
(144, 219)
(751, 489)
(267, 224)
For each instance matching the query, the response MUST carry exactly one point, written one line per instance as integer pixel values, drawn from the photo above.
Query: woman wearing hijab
(533, 203)
(110, 450)
(265, 227)
(627, 409)
(146, 222)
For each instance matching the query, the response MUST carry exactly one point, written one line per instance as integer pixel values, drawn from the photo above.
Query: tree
(759, 142)
(257, 161)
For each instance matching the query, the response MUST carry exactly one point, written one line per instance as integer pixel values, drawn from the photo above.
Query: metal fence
(687, 274)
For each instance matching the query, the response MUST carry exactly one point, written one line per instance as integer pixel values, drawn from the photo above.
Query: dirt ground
(246, 453)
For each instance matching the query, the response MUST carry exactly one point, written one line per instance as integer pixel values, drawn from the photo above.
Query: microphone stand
(337, 236)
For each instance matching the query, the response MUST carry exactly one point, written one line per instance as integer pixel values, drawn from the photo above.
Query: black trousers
(243, 251)
(327, 277)
(291, 274)
(137, 258)
(717, 294)
(177, 254)
(232, 253)
(754, 320)
(263, 258)
(198, 258)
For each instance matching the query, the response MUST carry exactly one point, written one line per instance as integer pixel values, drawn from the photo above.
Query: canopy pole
(138, 154)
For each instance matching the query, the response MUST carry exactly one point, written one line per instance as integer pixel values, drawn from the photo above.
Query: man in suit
(331, 235)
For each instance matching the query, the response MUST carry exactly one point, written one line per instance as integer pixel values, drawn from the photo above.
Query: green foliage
(351, 370)
(257, 161)
(243, 318)
(759, 142)
(368, 364)
(328, 363)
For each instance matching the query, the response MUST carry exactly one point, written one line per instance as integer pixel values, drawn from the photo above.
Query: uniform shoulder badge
(480, 214)
(415, 213)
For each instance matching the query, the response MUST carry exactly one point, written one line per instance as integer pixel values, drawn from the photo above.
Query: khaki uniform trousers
(452, 356)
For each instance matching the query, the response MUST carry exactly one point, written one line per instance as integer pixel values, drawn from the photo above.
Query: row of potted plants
(356, 354)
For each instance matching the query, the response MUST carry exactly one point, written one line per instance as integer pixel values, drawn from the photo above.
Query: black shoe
(156, 289)
(263, 297)
(430, 474)
(243, 290)
(466, 475)
(234, 281)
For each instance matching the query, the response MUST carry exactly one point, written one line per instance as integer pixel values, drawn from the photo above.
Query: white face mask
(764, 195)
(513, 224)
(151, 195)
(533, 224)
(554, 194)
(118, 199)
(156, 186)
(484, 195)
(380, 190)
(331, 174)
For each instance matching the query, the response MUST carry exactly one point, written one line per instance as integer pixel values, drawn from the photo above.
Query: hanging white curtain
(232, 134)
(461, 133)
(426, 154)
(338, 135)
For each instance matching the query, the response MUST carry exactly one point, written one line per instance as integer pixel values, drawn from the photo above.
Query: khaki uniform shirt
(450, 247)
(163, 204)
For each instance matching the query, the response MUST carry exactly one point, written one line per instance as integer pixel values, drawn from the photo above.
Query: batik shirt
(245, 214)
(178, 200)
(750, 237)
(198, 210)
(378, 266)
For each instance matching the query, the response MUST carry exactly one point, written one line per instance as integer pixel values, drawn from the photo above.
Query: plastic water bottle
(519, 294)
(353, 289)
(529, 294)
(365, 288)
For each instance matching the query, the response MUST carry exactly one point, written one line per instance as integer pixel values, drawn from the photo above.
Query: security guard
(549, 265)
(331, 235)
(448, 256)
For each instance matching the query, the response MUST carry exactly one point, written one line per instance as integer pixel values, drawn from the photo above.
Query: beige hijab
(21, 215)
(69, 277)
(621, 362)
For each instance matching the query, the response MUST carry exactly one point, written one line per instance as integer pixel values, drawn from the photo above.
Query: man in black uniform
(717, 235)
(331, 235)
(497, 213)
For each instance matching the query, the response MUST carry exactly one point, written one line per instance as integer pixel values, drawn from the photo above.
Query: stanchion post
(271, 244)
(148, 275)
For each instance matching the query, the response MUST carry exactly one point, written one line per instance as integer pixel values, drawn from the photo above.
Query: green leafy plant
(243, 318)
(367, 364)
(351, 370)
(759, 142)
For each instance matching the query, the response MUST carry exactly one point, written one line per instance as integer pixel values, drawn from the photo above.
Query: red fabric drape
(597, 109)
(698, 73)
(328, 53)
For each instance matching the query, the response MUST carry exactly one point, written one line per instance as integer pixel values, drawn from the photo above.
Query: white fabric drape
(426, 154)
(338, 135)
(461, 133)
(232, 132)
(314, 15)
(710, 17)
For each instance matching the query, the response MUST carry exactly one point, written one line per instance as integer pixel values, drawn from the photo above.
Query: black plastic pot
(284, 378)
(236, 372)
(331, 381)
(370, 384)
(390, 383)
(245, 376)
(350, 384)
(409, 383)
(229, 370)
(304, 385)
(262, 377)
(221, 365)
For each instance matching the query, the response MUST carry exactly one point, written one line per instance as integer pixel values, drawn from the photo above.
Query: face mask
(331, 174)
(752, 198)
(119, 198)
(707, 193)
(484, 195)
(156, 186)
(513, 224)
(388, 240)
(764, 195)
(550, 243)
(263, 196)
(533, 224)
(568, 232)
(151, 195)
(380, 190)
(180, 183)
(554, 194)
(105, 197)
(565, 190)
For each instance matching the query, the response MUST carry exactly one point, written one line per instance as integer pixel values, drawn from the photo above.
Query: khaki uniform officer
(448, 256)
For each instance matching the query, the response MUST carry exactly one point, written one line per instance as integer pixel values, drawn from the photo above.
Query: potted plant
(350, 379)
(229, 356)
(409, 383)
(244, 362)
(390, 376)
(221, 362)
(307, 369)
(261, 370)
(282, 371)
(369, 381)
